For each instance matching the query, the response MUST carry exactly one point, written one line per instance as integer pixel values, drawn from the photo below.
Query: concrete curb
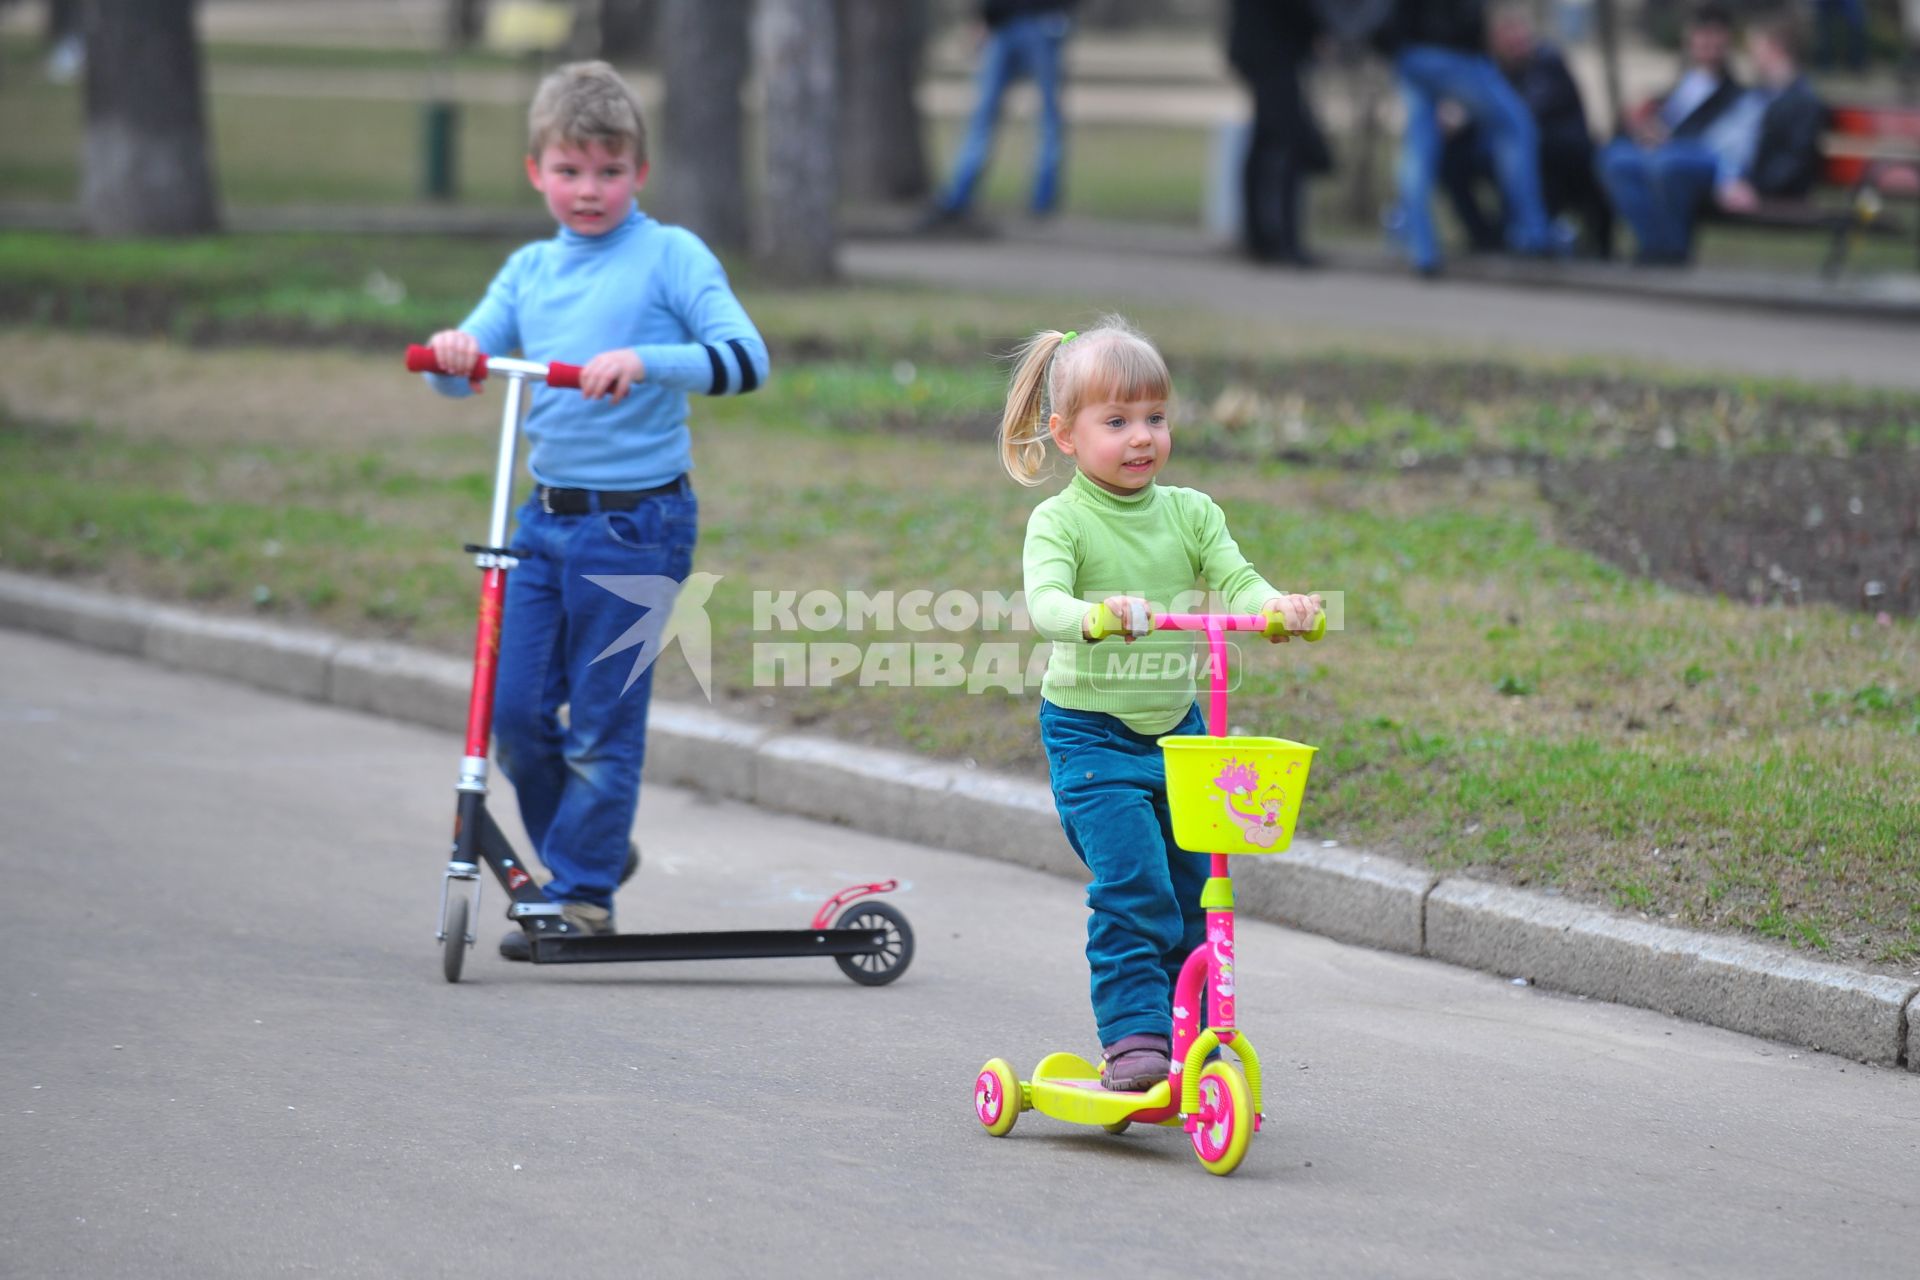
(1722, 981)
(1351, 896)
(279, 659)
(399, 682)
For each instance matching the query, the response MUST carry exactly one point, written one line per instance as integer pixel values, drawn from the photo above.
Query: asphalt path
(1357, 310)
(228, 1051)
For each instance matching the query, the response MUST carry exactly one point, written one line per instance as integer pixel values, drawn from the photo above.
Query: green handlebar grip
(1108, 623)
(1277, 626)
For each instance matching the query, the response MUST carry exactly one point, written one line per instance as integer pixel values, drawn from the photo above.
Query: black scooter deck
(737, 944)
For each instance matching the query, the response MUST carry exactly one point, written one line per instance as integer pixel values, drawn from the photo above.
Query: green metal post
(439, 135)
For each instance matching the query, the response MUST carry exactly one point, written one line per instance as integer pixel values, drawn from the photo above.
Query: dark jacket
(1261, 33)
(1446, 24)
(1786, 160)
(997, 13)
(1553, 99)
(1697, 121)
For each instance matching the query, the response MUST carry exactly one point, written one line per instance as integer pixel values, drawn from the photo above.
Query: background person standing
(1438, 50)
(1269, 43)
(1025, 40)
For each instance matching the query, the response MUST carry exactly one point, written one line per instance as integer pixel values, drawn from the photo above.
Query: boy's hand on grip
(1124, 616)
(457, 353)
(1296, 614)
(611, 374)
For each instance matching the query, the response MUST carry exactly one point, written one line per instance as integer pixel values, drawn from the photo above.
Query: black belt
(579, 502)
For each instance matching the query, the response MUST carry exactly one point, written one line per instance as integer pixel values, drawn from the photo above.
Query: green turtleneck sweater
(1085, 544)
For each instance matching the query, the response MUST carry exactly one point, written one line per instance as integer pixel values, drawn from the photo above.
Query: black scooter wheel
(453, 951)
(877, 969)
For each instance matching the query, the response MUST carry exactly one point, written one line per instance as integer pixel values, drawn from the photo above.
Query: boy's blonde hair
(582, 103)
(1110, 361)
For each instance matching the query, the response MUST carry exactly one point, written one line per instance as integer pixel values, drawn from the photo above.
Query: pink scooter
(1229, 796)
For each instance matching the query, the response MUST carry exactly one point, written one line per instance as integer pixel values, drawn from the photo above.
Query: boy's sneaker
(584, 916)
(587, 918)
(1134, 1064)
(517, 944)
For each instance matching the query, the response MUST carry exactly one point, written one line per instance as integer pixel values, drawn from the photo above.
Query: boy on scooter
(610, 463)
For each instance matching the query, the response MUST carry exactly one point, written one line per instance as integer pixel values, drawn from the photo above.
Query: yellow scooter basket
(1235, 795)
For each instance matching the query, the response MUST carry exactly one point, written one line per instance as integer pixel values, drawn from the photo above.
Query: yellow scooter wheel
(996, 1097)
(1223, 1136)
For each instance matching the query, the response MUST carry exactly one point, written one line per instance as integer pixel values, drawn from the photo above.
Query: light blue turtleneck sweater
(644, 285)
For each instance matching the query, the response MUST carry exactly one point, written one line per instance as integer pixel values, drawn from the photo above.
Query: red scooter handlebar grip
(563, 375)
(422, 360)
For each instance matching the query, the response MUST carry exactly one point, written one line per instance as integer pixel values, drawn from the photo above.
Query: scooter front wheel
(1226, 1128)
(877, 968)
(453, 948)
(996, 1097)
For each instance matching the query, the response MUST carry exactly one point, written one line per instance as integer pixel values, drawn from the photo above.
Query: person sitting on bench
(1706, 88)
(1766, 146)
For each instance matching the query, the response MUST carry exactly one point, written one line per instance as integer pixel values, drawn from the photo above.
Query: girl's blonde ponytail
(1023, 425)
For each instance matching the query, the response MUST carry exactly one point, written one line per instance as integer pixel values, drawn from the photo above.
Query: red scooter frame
(871, 941)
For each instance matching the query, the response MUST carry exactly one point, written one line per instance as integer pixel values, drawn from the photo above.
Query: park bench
(1872, 154)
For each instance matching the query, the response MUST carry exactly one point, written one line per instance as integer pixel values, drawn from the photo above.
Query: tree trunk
(627, 29)
(463, 22)
(881, 156)
(794, 234)
(1608, 21)
(703, 55)
(147, 166)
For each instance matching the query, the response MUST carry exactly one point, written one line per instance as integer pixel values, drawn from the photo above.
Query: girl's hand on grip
(1295, 612)
(1124, 616)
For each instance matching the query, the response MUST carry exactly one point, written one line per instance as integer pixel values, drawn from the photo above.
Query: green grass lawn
(1499, 700)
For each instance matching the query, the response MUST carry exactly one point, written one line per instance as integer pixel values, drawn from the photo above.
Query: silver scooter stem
(510, 415)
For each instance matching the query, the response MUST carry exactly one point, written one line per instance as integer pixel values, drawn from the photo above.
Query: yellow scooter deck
(1067, 1087)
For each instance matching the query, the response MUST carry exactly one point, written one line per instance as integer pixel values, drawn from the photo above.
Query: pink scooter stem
(1209, 967)
(1215, 960)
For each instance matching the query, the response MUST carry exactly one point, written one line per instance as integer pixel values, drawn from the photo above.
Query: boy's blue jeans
(1110, 786)
(1660, 192)
(1020, 47)
(1428, 75)
(579, 782)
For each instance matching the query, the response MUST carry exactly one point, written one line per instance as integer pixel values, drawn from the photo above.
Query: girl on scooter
(1115, 536)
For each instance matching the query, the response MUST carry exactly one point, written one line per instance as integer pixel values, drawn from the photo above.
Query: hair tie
(1069, 336)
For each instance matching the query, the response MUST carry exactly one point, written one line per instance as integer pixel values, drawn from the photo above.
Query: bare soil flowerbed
(1774, 527)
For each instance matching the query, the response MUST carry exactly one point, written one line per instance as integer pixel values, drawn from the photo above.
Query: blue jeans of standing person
(1660, 192)
(578, 782)
(1851, 17)
(1028, 47)
(1110, 786)
(1429, 75)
